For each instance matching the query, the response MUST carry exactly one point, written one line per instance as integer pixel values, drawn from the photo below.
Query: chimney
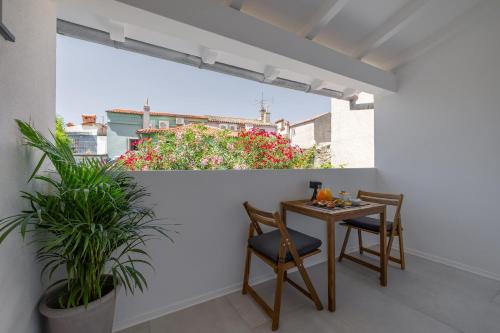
(267, 117)
(88, 119)
(146, 115)
(262, 114)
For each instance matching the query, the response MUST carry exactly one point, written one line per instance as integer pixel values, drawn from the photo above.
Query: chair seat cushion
(268, 244)
(367, 223)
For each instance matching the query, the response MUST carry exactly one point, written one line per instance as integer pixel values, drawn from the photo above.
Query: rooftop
(210, 118)
(237, 120)
(309, 119)
(153, 113)
(178, 129)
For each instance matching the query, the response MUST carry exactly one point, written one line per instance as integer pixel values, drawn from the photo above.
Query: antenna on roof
(265, 115)
(263, 103)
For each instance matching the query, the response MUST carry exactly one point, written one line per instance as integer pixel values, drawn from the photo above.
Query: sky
(93, 78)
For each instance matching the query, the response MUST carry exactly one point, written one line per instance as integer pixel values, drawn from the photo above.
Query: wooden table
(330, 217)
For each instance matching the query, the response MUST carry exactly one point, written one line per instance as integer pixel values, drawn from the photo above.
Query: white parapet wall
(352, 134)
(206, 259)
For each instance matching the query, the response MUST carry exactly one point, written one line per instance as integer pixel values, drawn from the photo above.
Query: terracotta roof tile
(166, 114)
(180, 129)
(240, 121)
(210, 118)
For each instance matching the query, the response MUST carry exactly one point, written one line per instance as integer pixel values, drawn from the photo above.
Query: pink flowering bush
(264, 150)
(203, 148)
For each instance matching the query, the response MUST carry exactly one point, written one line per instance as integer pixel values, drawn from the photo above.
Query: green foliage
(326, 165)
(60, 130)
(91, 222)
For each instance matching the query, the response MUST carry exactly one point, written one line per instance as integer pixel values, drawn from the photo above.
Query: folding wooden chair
(372, 225)
(282, 249)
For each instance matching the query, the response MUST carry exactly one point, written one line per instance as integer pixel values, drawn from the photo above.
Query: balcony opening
(153, 114)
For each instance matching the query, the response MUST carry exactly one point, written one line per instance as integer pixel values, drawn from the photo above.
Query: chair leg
(389, 247)
(309, 285)
(401, 249)
(277, 297)
(360, 241)
(246, 274)
(344, 245)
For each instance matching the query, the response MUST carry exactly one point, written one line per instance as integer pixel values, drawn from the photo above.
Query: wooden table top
(305, 207)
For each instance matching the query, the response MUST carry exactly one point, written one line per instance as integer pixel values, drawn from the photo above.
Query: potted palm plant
(90, 227)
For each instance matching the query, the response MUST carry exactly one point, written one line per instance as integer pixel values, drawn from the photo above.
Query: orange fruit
(324, 194)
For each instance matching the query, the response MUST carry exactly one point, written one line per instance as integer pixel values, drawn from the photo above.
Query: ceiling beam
(323, 16)
(349, 92)
(437, 37)
(389, 28)
(208, 56)
(116, 31)
(236, 4)
(317, 85)
(234, 35)
(271, 73)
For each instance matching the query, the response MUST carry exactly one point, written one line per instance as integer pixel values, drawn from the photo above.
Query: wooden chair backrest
(273, 220)
(258, 217)
(395, 200)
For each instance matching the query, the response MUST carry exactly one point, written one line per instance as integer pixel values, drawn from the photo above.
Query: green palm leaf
(91, 221)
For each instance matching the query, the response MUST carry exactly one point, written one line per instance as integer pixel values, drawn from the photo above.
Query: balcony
(433, 68)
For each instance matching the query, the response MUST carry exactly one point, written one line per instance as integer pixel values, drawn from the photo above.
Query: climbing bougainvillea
(203, 148)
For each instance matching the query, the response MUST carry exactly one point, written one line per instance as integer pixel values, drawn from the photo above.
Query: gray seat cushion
(367, 223)
(268, 244)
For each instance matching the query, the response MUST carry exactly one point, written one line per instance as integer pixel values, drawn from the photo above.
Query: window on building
(84, 144)
(163, 124)
(233, 127)
(223, 126)
(132, 143)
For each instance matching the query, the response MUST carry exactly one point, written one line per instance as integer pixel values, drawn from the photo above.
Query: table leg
(383, 250)
(330, 232)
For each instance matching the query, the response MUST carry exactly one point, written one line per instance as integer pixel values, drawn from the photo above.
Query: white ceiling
(350, 43)
(358, 20)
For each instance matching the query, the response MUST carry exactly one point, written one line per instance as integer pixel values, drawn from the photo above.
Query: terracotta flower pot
(97, 317)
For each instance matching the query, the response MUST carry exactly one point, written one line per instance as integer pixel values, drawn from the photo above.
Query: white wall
(303, 135)
(207, 257)
(352, 134)
(437, 141)
(102, 143)
(27, 91)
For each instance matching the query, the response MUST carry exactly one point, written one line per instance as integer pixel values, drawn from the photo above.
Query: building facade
(124, 126)
(283, 127)
(353, 132)
(243, 124)
(88, 140)
(127, 127)
(312, 132)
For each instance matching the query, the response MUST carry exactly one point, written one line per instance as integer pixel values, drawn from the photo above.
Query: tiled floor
(427, 297)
